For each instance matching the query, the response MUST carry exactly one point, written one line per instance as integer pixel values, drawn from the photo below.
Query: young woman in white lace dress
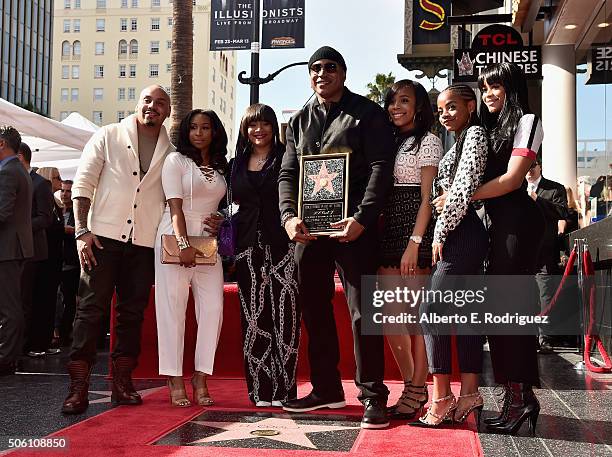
(193, 182)
(407, 235)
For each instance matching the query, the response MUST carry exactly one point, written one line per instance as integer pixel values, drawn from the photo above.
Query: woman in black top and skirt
(265, 266)
(515, 135)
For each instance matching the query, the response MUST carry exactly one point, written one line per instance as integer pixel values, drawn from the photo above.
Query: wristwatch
(81, 232)
(417, 239)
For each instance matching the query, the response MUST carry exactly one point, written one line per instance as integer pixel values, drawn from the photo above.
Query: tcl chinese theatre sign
(496, 44)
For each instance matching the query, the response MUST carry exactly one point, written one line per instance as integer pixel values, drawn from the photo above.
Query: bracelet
(286, 217)
(183, 242)
(81, 232)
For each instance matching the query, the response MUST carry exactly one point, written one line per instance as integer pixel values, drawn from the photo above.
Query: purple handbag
(228, 229)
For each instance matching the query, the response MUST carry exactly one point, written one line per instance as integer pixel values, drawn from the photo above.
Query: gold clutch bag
(206, 250)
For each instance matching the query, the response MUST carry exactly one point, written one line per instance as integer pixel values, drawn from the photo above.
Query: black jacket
(552, 200)
(15, 212)
(258, 205)
(70, 255)
(356, 125)
(42, 214)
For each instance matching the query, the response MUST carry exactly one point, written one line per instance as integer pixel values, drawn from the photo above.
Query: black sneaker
(311, 402)
(375, 414)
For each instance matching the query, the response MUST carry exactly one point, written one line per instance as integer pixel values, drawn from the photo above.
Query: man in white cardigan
(118, 203)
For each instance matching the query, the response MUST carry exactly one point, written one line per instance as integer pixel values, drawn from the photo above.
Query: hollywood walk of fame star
(107, 394)
(323, 180)
(288, 430)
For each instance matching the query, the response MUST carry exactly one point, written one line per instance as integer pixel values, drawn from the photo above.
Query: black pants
(129, 269)
(316, 263)
(11, 311)
(45, 282)
(70, 288)
(270, 319)
(463, 254)
(516, 234)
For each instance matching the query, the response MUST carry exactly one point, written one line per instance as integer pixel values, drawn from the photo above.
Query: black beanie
(329, 53)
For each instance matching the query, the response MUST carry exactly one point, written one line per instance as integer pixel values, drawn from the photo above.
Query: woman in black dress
(265, 267)
(515, 135)
(407, 235)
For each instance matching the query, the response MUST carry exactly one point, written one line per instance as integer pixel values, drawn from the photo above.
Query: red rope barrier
(589, 294)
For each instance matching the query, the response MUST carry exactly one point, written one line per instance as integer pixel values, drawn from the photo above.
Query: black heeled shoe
(501, 417)
(476, 406)
(524, 406)
(408, 407)
(439, 419)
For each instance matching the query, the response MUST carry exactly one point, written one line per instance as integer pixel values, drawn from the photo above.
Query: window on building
(123, 47)
(134, 3)
(100, 25)
(76, 48)
(98, 94)
(132, 71)
(65, 71)
(212, 97)
(155, 3)
(231, 92)
(122, 71)
(133, 47)
(153, 70)
(121, 93)
(100, 4)
(77, 4)
(76, 25)
(76, 71)
(124, 3)
(66, 25)
(231, 113)
(63, 115)
(131, 93)
(98, 71)
(99, 48)
(134, 24)
(154, 47)
(97, 117)
(64, 95)
(154, 23)
(74, 95)
(214, 75)
(168, 67)
(169, 22)
(123, 24)
(169, 44)
(66, 49)
(67, 4)
(120, 116)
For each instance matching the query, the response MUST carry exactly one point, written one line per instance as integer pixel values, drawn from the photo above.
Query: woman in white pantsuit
(194, 185)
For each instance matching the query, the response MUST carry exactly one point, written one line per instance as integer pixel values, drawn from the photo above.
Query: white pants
(171, 295)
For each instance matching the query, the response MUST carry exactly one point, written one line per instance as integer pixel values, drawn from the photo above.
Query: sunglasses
(329, 67)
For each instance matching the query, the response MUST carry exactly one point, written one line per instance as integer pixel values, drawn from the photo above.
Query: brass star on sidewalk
(323, 180)
(279, 428)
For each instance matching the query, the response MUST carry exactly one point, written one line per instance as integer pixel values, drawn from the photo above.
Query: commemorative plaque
(323, 196)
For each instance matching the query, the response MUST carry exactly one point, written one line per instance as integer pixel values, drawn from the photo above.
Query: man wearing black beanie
(338, 120)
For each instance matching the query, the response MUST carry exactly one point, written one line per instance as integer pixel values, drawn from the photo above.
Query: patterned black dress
(401, 210)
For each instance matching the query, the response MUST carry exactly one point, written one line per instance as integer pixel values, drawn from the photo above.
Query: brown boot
(77, 400)
(123, 389)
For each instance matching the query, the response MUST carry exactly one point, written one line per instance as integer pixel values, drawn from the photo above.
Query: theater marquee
(496, 44)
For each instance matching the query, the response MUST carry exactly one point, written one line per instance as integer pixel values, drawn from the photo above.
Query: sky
(369, 35)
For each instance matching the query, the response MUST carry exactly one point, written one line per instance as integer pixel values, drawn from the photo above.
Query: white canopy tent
(53, 143)
(46, 153)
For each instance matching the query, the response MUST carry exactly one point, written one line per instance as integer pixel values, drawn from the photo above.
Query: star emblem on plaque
(323, 191)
